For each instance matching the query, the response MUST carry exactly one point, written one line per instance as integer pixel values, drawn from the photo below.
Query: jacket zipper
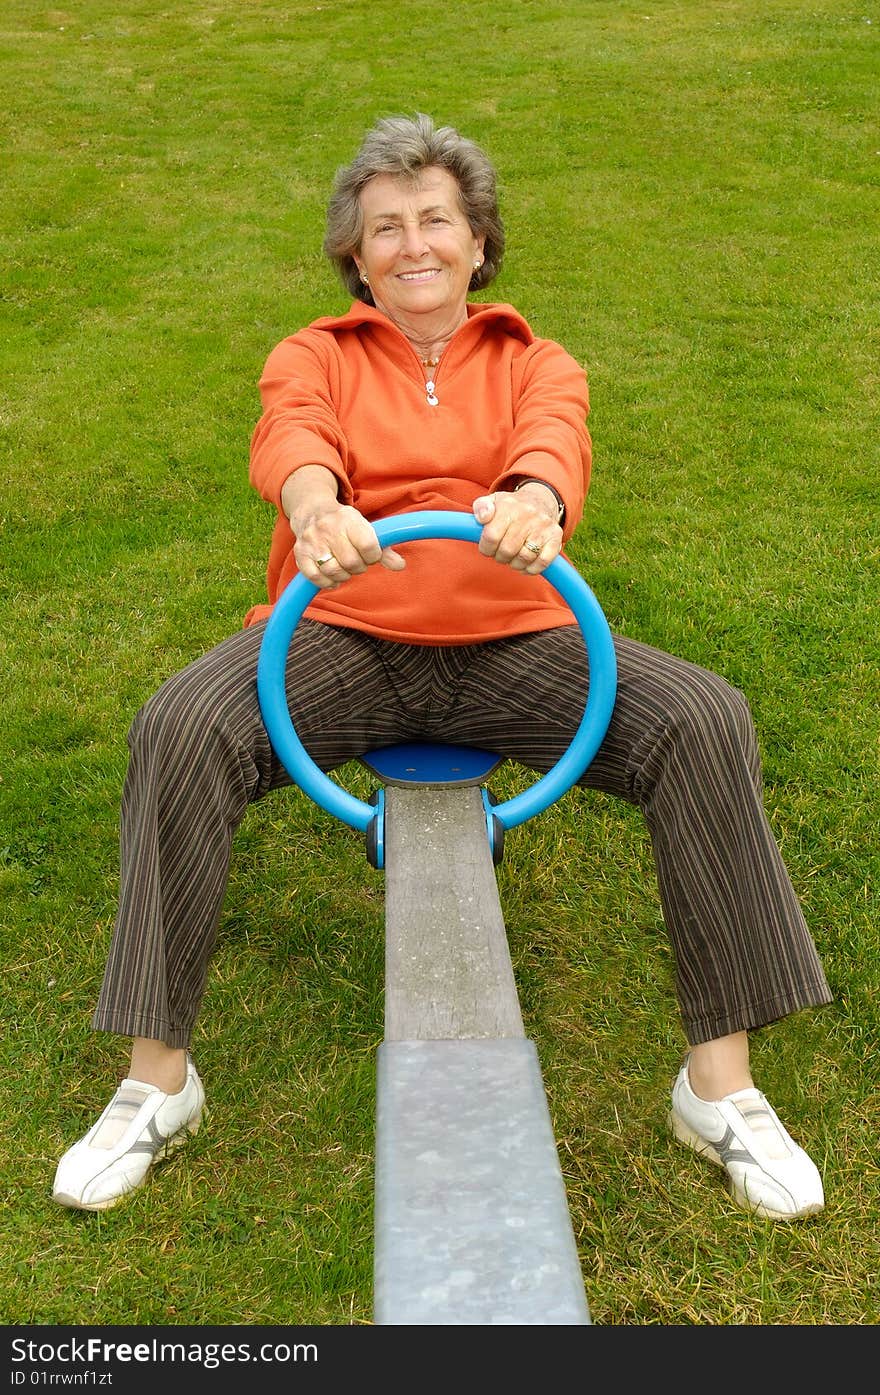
(430, 389)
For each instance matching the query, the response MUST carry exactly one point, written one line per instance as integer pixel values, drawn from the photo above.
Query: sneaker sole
(170, 1146)
(685, 1134)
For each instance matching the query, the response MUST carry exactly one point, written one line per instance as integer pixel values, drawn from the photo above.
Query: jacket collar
(481, 316)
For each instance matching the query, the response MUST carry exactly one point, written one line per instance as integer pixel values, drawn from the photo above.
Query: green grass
(691, 197)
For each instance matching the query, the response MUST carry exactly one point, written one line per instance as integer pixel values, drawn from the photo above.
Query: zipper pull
(430, 394)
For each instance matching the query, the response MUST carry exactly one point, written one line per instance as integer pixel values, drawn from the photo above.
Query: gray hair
(404, 146)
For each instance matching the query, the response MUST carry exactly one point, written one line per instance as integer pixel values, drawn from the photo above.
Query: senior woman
(413, 399)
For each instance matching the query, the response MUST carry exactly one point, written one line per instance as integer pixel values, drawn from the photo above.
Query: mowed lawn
(690, 192)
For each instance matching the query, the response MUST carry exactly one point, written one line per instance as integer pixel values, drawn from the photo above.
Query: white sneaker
(769, 1174)
(140, 1125)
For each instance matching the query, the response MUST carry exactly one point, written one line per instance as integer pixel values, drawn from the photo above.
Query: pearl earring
(477, 264)
(365, 278)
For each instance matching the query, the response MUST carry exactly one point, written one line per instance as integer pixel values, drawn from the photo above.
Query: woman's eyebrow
(395, 217)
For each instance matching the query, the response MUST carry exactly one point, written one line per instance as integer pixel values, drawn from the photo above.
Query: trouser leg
(681, 746)
(199, 755)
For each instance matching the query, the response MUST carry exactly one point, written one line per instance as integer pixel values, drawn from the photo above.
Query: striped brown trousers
(681, 745)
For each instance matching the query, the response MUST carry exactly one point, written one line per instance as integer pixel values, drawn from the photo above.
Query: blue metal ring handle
(409, 527)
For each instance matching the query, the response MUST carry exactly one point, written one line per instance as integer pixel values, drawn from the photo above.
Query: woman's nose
(414, 244)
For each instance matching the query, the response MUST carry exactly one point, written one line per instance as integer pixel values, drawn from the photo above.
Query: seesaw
(471, 1220)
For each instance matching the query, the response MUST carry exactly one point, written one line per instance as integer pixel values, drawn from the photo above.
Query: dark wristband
(560, 502)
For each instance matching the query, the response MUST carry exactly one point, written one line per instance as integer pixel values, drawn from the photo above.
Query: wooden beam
(471, 1220)
(448, 973)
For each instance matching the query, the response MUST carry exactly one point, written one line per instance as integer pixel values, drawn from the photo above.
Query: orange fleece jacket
(348, 393)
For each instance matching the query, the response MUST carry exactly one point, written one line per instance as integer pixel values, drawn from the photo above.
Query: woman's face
(417, 247)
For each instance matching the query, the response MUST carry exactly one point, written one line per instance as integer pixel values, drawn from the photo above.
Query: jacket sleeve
(298, 425)
(550, 440)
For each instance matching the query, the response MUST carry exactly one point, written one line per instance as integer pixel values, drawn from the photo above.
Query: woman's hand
(520, 528)
(334, 542)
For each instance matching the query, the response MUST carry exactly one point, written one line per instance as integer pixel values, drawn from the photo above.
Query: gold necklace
(429, 362)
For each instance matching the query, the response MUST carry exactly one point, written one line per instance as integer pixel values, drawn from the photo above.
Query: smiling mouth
(424, 275)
